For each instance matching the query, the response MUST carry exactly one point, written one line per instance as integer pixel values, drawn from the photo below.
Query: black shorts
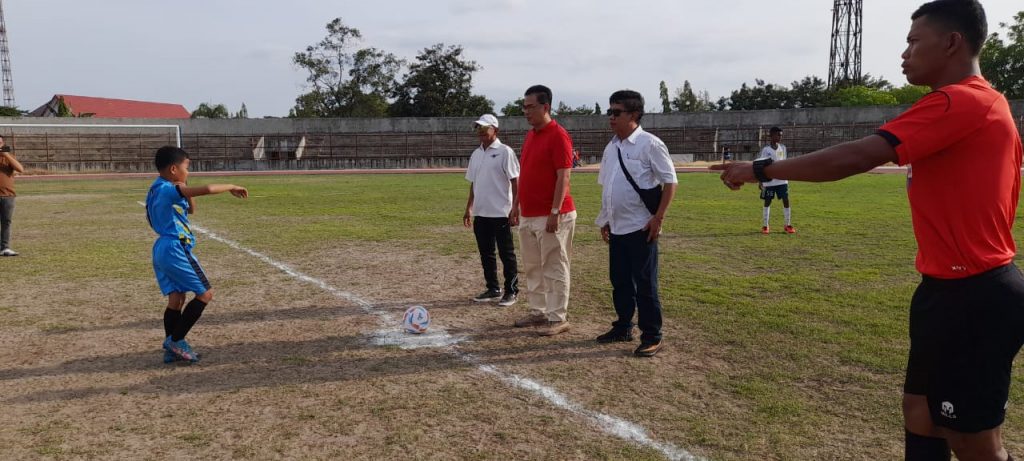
(780, 191)
(964, 334)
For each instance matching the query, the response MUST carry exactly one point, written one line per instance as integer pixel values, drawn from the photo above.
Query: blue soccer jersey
(167, 212)
(176, 269)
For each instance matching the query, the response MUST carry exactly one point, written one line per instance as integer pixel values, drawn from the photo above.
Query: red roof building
(110, 108)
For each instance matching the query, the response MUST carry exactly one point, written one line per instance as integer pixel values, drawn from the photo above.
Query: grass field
(787, 347)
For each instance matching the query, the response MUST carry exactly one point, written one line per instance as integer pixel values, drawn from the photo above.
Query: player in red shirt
(963, 153)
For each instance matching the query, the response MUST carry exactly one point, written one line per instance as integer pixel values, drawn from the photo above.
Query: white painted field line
(607, 423)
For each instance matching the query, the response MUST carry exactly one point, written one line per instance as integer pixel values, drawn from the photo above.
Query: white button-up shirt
(648, 162)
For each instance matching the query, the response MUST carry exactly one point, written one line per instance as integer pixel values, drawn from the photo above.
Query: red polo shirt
(964, 153)
(544, 153)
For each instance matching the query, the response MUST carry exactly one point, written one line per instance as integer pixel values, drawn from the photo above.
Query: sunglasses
(482, 129)
(615, 112)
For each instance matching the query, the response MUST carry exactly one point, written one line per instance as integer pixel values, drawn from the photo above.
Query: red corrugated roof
(122, 108)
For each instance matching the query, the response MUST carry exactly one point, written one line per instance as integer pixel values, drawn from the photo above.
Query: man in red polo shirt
(963, 153)
(546, 215)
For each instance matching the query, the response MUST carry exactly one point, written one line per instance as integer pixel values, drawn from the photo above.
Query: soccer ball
(416, 320)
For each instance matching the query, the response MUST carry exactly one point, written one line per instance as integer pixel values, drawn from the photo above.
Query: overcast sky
(235, 51)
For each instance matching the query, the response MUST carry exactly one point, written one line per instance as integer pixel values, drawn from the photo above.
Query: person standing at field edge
(963, 156)
(548, 215)
(492, 173)
(8, 167)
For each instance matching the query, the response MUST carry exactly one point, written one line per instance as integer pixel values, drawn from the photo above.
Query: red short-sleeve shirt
(544, 153)
(963, 182)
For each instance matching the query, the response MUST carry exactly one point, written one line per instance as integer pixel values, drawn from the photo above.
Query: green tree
(344, 82)
(514, 108)
(868, 81)
(811, 91)
(439, 84)
(243, 112)
(209, 110)
(909, 94)
(565, 109)
(863, 96)
(666, 103)
(8, 111)
(758, 97)
(688, 101)
(1002, 62)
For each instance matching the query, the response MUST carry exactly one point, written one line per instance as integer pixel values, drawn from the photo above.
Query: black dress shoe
(616, 335)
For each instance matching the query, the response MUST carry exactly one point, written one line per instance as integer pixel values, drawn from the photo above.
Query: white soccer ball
(416, 320)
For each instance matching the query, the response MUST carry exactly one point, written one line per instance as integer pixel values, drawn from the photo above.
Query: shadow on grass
(214, 317)
(265, 364)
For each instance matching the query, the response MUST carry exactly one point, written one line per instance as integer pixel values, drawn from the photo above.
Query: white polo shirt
(646, 157)
(491, 170)
(776, 154)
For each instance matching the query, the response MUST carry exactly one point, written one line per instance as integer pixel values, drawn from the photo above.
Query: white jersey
(776, 155)
(491, 171)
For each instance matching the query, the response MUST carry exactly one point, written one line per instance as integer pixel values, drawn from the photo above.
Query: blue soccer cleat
(182, 350)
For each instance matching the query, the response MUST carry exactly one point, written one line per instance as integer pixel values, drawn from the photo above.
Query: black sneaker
(648, 349)
(616, 335)
(487, 296)
(507, 300)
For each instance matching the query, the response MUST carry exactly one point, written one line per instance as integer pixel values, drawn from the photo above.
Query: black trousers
(633, 267)
(491, 232)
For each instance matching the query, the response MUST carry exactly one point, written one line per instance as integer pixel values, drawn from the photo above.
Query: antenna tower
(5, 61)
(844, 56)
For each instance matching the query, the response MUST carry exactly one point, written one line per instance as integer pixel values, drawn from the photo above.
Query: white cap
(487, 120)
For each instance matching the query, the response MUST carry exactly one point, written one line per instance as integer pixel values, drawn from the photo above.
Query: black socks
(171, 318)
(189, 316)
(922, 448)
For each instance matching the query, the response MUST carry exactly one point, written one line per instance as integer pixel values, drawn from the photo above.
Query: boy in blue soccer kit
(168, 204)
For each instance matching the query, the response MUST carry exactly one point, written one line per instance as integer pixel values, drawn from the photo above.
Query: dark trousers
(491, 232)
(633, 267)
(6, 213)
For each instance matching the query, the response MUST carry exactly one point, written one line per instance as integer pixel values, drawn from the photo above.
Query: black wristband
(759, 166)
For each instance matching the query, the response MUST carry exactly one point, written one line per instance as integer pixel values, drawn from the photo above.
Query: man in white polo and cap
(493, 169)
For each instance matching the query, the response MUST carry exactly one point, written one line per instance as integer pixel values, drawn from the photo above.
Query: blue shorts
(780, 191)
(176, 269)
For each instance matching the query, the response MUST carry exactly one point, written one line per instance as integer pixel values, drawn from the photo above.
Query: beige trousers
(546, 258)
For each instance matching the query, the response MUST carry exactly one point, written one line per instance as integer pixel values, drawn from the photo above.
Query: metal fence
(122, 151)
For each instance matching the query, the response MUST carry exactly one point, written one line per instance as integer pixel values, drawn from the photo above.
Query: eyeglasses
(616, 112)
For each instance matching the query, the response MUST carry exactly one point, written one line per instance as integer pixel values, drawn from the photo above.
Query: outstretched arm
(829, 164)
(237, 191)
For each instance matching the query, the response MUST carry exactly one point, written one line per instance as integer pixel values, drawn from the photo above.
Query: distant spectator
(8, 166)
